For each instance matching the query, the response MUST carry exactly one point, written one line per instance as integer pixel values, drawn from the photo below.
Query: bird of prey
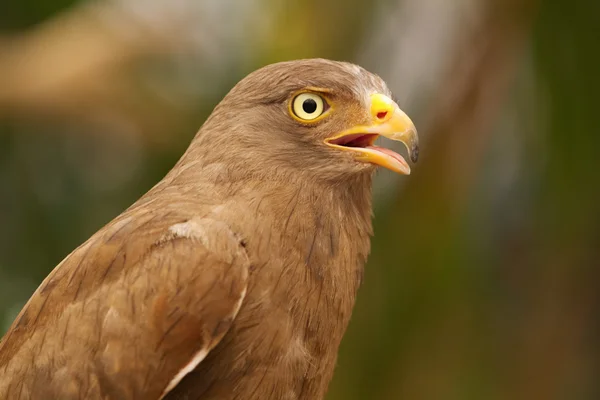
(235, 276)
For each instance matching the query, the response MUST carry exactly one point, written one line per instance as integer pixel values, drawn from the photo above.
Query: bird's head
(314, 116)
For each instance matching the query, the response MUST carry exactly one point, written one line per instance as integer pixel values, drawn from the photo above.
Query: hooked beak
(388, 121)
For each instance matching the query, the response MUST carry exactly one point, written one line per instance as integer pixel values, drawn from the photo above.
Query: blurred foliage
(483, 279)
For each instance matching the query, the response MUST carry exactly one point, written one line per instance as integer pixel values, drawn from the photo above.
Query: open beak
(388, 121)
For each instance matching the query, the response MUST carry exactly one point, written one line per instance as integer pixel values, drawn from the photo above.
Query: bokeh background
(484, 277)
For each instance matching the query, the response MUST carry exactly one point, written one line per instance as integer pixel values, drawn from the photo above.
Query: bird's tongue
(389, 153)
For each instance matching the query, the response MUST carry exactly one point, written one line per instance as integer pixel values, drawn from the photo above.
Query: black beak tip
(414, 154)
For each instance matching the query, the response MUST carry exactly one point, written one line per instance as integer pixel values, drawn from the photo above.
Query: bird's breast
(302, 288)
(306, 266)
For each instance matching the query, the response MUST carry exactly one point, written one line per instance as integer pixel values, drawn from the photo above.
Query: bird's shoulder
(160, 279)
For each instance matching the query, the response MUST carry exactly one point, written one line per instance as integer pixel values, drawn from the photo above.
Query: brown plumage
(235, 276)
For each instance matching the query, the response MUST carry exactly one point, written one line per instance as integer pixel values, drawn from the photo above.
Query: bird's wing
(128, 313)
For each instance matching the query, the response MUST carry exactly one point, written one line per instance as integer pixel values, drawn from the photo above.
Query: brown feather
(264, 206)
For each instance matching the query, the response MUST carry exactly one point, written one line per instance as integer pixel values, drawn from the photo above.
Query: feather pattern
(233, 278)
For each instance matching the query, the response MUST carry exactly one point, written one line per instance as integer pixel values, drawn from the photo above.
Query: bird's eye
(308, 106)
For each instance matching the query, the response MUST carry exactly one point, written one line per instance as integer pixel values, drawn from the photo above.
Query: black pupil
(309, 106)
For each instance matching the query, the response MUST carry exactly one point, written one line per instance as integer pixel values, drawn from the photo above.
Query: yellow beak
(389, 121)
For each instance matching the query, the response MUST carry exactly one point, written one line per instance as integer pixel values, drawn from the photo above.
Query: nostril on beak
(382, 108)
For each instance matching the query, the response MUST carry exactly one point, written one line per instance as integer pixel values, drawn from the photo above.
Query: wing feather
(129, 313)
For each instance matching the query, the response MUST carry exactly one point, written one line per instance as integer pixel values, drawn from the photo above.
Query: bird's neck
(326, 220)
(343, 201)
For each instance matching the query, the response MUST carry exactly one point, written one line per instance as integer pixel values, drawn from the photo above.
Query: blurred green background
(484, 277)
